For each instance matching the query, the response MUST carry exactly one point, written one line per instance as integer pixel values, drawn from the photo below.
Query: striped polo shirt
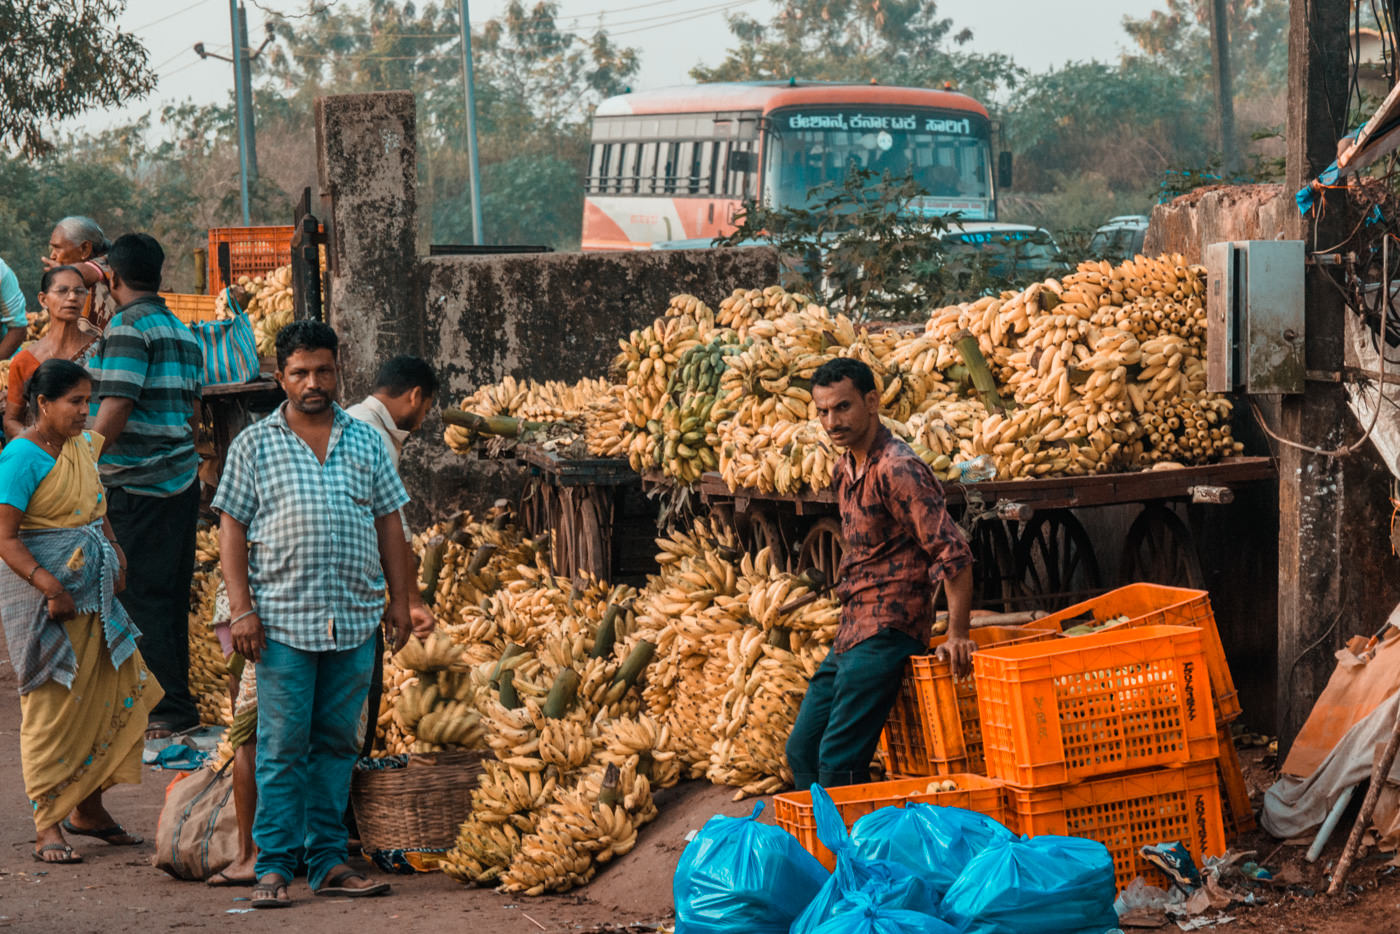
(149, 356)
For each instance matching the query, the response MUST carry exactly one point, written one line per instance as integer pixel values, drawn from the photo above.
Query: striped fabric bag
(229, 348)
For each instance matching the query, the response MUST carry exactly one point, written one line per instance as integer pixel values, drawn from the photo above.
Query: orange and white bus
(677, 164)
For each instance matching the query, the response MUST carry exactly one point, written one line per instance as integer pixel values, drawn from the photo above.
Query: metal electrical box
(1254, 316)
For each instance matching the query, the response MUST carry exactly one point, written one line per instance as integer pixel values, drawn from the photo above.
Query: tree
(890, 41)
(60, 58)
(1178, 38)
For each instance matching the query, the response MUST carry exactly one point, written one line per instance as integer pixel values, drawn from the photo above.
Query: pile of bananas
(648, 358)
(208, 668)
(268, 302)
(737, 640)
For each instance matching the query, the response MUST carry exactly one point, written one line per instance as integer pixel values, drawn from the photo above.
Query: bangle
(29, 578)
(241, 616)
(54, 596)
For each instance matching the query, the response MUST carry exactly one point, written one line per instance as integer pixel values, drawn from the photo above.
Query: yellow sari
(77, 741)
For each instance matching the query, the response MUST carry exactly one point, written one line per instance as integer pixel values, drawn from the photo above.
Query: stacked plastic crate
(1110, 736)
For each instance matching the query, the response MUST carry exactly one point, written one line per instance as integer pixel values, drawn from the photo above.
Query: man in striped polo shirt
(146, 389)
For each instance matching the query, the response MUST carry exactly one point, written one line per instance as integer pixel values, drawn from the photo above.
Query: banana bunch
(38, 325)
(268, 303)
(641, 739)
(436, 653)
(745, 307)
(437, 706)
(585, 827)
(549, 402)
(483, 850)
(645, 362)
(208, 669)
(683, 439)
(606, 428)
(206, 545)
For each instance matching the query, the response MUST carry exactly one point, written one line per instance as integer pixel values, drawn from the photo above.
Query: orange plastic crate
(952, 726)
(925, 734)
(190, 309)
(1156, 605)
(1126, 812)
(1072, 709)
(793, 810)
(252, 251)
(1234, 793)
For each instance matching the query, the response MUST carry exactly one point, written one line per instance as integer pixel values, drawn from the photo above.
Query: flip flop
(68, 855)
(222, 879)
(334, 886)
(107, 835)
(269, 894)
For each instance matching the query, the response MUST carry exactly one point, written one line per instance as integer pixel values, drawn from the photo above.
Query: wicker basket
(415, 808)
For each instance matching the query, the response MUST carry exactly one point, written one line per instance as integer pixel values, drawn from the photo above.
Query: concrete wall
(1240, 212)
(476, 319)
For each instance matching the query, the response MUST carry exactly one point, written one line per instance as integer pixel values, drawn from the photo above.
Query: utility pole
(247, 146)
(1224, 88)
(242, 60)
(473, 165)
(1335, 568)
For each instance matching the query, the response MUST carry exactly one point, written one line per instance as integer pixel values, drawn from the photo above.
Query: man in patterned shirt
(900, 542)
(310, 530)
(145, 389)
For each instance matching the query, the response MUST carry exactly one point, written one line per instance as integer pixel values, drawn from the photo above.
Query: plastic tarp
(935, 841)
(887, 884)
(1035, 885)
(738, 876)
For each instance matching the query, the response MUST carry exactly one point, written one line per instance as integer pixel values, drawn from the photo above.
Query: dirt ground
(116, 890)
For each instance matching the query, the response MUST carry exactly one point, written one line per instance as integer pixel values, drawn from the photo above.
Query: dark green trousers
(846, 705)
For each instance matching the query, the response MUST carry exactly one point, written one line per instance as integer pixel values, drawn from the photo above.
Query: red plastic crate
(1126, 812)
(252, 251)
(1234, 793)
(793, 810)
(934, 727)
(1072, 709)
(1157, 605)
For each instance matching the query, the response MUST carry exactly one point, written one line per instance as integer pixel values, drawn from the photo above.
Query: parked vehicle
(1119, 239)
(677, 164)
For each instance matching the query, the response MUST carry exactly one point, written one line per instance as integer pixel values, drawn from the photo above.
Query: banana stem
(610, 794)
(432, 567)
(483, 555)
(503, 425)
(636, 662)
(561, 694)
(510, 652)
(510, 699)
(606, 637)
(981, 373)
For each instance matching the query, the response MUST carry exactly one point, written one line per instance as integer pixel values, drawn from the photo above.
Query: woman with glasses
(63, 293)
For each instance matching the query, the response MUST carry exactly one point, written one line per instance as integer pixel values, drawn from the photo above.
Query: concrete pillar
(367, 160)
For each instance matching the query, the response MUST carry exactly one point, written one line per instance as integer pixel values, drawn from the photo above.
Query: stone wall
(1239, 212)
(477, 319)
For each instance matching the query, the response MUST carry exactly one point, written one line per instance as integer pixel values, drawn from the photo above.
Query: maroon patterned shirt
(900, 541)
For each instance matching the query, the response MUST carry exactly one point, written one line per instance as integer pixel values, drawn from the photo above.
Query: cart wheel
(763, 532)
(994, 564)
(1054, 558)
(822, 549)
(1160, 549)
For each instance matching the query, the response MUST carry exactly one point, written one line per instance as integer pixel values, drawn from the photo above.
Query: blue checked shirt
(313, 561)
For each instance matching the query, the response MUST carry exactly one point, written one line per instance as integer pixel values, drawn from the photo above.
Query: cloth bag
(742, 877)
(229, 348)
(197, 833)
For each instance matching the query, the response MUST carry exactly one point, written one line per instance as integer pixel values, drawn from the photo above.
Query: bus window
(741, 169)
(646, 168)
(719, 161)
(699, 183)
(627, 169)
(596, 163)
(677, 162)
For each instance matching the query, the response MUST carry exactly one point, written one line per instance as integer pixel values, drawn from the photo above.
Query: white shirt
(373, 413)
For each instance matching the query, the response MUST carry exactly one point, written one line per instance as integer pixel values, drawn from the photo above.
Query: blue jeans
(309, 706)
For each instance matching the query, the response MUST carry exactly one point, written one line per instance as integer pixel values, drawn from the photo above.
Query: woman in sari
(62, 293)
(78, 241)
(84, 689)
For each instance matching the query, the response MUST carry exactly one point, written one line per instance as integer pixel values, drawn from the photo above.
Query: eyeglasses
(64, 292)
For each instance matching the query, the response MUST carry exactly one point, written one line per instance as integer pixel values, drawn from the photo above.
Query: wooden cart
(1032, 550)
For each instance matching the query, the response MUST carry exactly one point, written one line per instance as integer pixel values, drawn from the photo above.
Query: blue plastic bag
(739, 876)
(888, 884)
(861, 914)
(936, 842)
(1035, 885)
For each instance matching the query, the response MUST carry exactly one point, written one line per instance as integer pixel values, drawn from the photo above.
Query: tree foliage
(59, 58)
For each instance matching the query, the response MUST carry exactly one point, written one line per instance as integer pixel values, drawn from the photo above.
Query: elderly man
(309, 533)
(900, 542)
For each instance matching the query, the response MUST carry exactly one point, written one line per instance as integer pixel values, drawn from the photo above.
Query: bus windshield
(946, 152)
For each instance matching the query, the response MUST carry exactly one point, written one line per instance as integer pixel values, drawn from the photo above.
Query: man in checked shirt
(900, 542)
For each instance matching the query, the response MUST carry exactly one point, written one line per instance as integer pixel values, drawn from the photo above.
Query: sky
(673, 35)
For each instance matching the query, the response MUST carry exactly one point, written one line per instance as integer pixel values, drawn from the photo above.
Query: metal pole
(247, 126)
(474, 166)
(240, 63)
